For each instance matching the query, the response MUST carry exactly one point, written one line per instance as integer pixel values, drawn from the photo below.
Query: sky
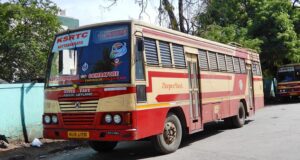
(95, 11)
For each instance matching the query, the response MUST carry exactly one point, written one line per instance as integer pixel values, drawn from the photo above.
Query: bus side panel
(150, 122)
(234, 104)
(258, 92)
(215, 91)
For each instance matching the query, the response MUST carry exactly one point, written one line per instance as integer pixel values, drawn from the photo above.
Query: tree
(179, 16)
(269, 26)
(27, 29)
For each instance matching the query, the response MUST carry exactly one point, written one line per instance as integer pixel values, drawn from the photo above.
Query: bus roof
(252, 52)
(292, 64)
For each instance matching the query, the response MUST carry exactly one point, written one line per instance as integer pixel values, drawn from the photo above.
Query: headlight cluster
(108, 118)
(50, 119)
(282, 91)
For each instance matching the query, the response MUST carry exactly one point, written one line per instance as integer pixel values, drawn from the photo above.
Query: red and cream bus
(288, 82)
(127, 80)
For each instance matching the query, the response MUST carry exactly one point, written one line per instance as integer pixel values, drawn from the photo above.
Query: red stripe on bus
(257, 79)
(172, 97)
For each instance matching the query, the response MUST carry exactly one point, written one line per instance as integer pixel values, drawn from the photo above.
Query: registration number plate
(78, 134)
(293, 94)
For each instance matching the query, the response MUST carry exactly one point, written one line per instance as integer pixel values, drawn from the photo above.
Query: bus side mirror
(140, 44)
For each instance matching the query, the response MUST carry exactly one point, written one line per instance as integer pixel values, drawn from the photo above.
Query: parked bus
(127, 80)
(288, 81)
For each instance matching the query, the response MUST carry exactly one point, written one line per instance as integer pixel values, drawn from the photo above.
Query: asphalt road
(272, 134)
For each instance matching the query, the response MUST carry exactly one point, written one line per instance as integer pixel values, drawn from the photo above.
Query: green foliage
(271, 27)
(27, 29)
(231, 33)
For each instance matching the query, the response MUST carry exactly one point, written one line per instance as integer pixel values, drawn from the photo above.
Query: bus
(288, 82)
(128, 80)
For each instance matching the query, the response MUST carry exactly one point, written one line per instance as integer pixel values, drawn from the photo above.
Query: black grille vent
(203, 60)
(213, 61)
(165, 54)
(179, 58)
(151, 51)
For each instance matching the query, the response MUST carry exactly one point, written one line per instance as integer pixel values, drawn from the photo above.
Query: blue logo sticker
(118, 50)
(85, 67)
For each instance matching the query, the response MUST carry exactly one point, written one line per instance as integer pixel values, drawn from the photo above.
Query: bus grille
(78, 106)
(78, 118)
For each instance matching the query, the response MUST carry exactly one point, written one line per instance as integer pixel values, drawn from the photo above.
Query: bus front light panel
(117, 119)
(54, 119)
(47, 119)
(127, 118)
(282, 91)
(108, 118)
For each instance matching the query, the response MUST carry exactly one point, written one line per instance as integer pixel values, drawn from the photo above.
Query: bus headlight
(108, 118)
(47, 119)
(283, 91)
(54, 119)
(117, 119)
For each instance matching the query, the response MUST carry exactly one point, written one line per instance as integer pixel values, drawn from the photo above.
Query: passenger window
(221, 60)
(139, 65)
(243, 66)
(178, 55)
(229, 63)
(151, 51)
(213, 65)
(203, 60)
(165, 54)
(236, 63)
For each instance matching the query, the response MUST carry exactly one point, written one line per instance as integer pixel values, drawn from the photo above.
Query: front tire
(102, 146)
(170, 139)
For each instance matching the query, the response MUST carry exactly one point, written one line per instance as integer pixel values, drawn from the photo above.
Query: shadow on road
(144, 149)
(276, 102)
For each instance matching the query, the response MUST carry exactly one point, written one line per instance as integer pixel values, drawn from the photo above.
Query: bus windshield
(289, 74)
(91, 56)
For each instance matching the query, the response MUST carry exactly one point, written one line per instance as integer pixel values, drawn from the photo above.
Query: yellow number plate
(293, 94)
(78, 134)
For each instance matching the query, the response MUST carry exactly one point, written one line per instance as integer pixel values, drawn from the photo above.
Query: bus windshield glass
(91, 56)
(288, 74)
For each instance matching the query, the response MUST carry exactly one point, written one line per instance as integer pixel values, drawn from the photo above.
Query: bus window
(297, 73)
(139, 60)
(93, 56)
(286, 74)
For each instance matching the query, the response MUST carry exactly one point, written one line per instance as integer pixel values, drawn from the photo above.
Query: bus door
(194, 89)
(250, 88)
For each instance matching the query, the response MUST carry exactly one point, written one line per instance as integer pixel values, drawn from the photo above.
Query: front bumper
(94, 135)
(289, 94)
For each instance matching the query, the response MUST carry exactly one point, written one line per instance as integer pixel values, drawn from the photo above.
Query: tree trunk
(169, 8)
(181, 17)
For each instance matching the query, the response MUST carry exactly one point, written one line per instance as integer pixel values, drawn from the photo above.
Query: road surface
(272, 134)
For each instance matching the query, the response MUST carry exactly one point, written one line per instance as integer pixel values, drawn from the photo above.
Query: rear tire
(102, 146)
(170, 139)
(239, 120)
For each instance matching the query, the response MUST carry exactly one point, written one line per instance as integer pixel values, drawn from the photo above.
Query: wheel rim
(170, 132)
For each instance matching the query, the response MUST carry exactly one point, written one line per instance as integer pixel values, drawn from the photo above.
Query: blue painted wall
(21, 109)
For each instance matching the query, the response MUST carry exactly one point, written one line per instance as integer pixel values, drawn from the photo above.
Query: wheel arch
(178, 111)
